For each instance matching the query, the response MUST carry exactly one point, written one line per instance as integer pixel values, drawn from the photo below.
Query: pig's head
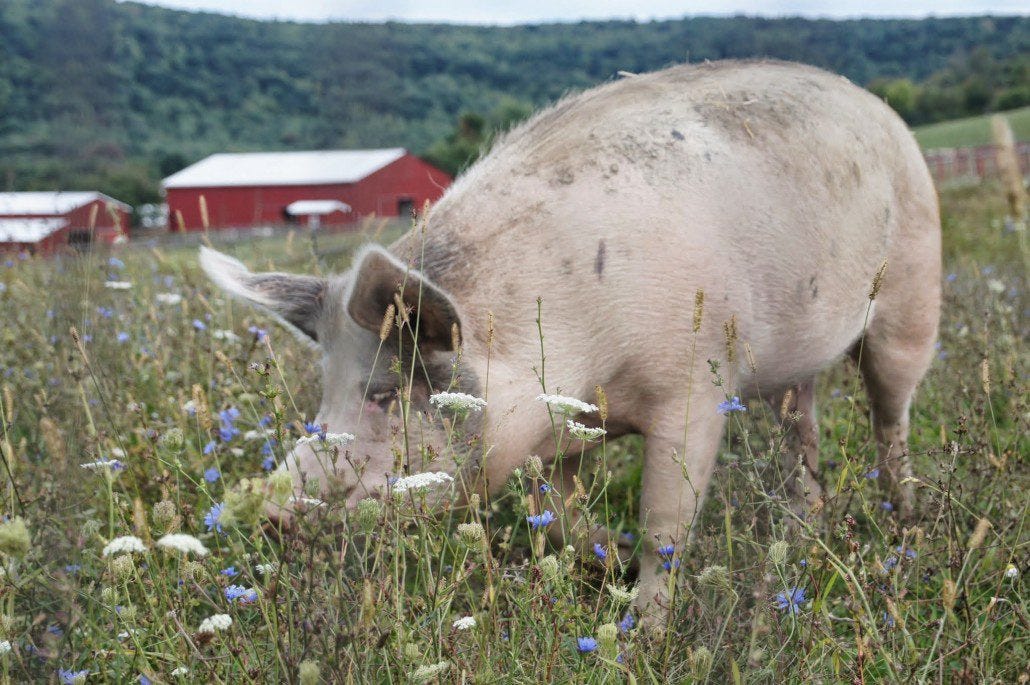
(387, 338)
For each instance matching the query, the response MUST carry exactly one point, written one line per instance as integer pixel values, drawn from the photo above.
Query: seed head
(979, 533)
(387, 325)
(699, 308)
(550, 567)
(730, 329)
(368, 513)
(163, 515)
(602, 402)
(308, 673)
(778, 552)
(534, 467)
(878, 281)
(715, 576)
(122, 567)
(14, 537)
(700, 660)
(471, 534)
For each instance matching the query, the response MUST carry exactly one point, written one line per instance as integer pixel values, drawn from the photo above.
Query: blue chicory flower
(875, 473)
(210, 447)
(731, 405)
(541, 520)
(600, 552)
(70, 677)
(212, 474)
(586, 644)
(627, 623)
(790, 599)
(229, 571)
(213, 517)
(123, 337)
(243, 594)
(199, 325)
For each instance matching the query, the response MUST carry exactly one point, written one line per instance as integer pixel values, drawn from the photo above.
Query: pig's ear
(295, 300)
(380, 278)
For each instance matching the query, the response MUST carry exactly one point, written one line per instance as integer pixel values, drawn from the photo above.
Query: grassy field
(196, 403)
(971, 131)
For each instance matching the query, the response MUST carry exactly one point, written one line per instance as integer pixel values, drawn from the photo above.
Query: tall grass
(88, 372)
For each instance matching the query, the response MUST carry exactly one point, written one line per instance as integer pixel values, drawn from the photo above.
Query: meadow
(137, 403)
(970, 131)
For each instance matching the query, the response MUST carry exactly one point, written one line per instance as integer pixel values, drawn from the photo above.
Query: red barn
(256, 188)
(43, 221)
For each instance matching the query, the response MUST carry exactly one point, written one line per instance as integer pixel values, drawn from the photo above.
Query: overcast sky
(530, 11)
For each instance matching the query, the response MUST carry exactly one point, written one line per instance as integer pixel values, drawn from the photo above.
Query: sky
(537, 11)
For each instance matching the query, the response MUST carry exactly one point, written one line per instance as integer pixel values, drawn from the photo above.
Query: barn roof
(28, 230)
(44, 203)
(283, 168)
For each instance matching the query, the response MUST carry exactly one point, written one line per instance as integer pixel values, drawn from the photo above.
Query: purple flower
(541, 520)
(545, 488)
(244, 594)
(230, 571)
(887, 506)
(669, 565)
(888, 620)
(666, 550)
(875, 473)
(951, 278)
(212, 475)
(123, 337)
(731, 405)
(213, 517)
(73, 568)
(55, 630)
(600, 552)
(259, 333)
(199, 325)
(210, 447)
(70, 677)
(627, 623)
(143, 680)
(269, 463)
(312, 427)
(227, 424)
(265, 421)
(790, 599)
(115, 263)
(586, 644)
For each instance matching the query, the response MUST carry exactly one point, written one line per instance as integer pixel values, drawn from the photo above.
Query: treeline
(99, 94)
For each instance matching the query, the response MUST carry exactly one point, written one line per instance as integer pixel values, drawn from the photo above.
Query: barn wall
(378, 193)
(105, 230)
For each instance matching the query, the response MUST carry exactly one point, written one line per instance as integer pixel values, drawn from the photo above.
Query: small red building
(43, 221)
(256, 188)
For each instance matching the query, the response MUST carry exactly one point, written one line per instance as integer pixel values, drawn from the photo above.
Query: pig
(678, 238)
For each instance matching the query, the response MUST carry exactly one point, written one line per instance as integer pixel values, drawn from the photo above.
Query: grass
(372, 595)
(971, 131)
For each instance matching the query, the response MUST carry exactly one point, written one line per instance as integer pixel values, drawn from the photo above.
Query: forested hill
(95, 93)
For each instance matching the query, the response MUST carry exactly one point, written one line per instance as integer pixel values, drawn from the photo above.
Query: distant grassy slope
(971, 131)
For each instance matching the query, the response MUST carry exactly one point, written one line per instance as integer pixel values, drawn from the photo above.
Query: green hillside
(971, 130)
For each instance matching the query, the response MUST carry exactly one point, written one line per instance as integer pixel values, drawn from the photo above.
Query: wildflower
(245, 595)
(1011, 572)
(72, 568)
(227, 424)
(210, 447)
(213, 517)
(126, 544)
(212, 474)
(457, 401)
(627, 623)
(581, 432)
(267, 569)
(122, 567)
(420, 481)
(268, 463)
(187, 544)
(222, 334)
(600, 552)
(168, 298)
(424, 674)
(199, 325)
(259, 333)
(307, 501)
(115, 263)
(312, 427)
(5, 647)
(309, 673)
(118, 285)
(179, 672)
(875, 473)
(541, 520)
(887, 506)
(790, 599)
(70, 677)
(550, 567)
(465, 623)
(326, 439)
(666, 550)
(585, 645)
(716, 576)
(778, 552)
(670, 564)
(103, 465)
(731, 405)
(888, 620)
(566, 405)
(909, 552)
(123, 337)
(545, 488)
(951, 277)
(143, 680)
(213, 624)
(622, 595)
(105, 312)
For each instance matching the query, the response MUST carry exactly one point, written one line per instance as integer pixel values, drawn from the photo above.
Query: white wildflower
(267, 569)
(995, 286)
(262, 434)
(309, 501)
(326, 440)
(168, 298)
(1011, 571)
(622, 595)
(419, 481)
(102, 464)
(465, 623)
(566, 405)
(581, 432)
(125, 634)
(190, 407)
(424, 674)
(179, 672)
(5, 647)
(213, 624)
(118, 452)
(117, 285)
(222, 334)
(458, 401)
(184, 543)
(126, 544)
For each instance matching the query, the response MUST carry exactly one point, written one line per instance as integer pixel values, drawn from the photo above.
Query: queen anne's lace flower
(566, 405)
(213, 624)
(117, 285)
(426, 673)
(168, 298)
(125, 544)
(184, 543)
(465, 623)
(222, 334)
(326, 439)
(267, 569)
(180, 671)
(581, 432)
(102, 464)
(420, 481)
(458, 401)
(622, 595)
(5, 647)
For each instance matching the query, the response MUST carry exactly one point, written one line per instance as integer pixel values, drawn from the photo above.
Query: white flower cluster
(457, 401)
(419, 481)
(307, 501)
(5, 647)
(622, 595)
(184, 543)
(168, 298)
(126, 544)
(223, 334)
(213, 624)
(102, 465)
(117, 285)
(267, 569)
(180, 671)
(465, 623)
(326, 440)
(566, 405)
(423, 674)
(581, 432)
